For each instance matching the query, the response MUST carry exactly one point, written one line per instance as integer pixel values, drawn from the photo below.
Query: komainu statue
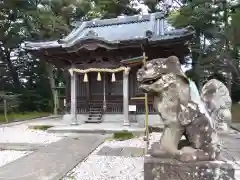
(185, 112)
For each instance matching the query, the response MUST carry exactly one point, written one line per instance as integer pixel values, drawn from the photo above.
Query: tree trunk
(227, 48)
(50, 68)
(13, 71)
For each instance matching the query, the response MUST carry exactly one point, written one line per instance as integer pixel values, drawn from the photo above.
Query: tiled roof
(115, 31)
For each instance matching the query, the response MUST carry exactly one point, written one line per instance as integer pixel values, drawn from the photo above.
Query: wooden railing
(114, 106)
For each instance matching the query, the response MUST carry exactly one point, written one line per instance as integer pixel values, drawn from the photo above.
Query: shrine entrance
(96, 89)
(106, 91)
(91, 49)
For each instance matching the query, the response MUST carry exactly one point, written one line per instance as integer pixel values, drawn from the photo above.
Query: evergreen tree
(208, 19)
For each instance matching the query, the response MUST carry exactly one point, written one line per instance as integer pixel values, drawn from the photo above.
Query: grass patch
(23, 116)
(121, 136)
(41, 127)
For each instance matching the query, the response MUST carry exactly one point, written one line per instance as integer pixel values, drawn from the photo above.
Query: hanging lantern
(113, 77)
(99, 77)
(85, 79)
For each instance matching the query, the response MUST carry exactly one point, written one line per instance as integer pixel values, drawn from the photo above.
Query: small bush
(124, 135)
(41, 127)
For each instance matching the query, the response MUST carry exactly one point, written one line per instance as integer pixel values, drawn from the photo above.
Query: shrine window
(115, 88)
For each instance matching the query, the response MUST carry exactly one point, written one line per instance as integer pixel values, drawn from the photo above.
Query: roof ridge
(118, 32)
(120, 20)
(111, 22)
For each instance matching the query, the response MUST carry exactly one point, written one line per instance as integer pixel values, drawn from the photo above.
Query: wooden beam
(138, 98)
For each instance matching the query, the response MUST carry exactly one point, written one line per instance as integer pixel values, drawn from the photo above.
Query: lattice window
(96, 86)
(81, 86)
(116, 88)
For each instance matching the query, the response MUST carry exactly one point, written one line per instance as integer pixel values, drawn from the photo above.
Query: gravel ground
(97, 167)
(22, 134)
(9, 156)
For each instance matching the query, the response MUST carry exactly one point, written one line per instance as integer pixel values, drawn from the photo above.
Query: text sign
(132, 108)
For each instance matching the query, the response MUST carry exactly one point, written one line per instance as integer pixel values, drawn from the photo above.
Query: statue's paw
(187, 154)
(186, 157)
(158, 152)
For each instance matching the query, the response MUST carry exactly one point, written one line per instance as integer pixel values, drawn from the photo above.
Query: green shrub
(124, 135)
(41, 127)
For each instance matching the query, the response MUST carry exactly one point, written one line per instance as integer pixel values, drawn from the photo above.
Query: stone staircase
(95, 114)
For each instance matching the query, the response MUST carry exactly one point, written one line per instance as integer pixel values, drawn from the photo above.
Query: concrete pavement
(53, 161)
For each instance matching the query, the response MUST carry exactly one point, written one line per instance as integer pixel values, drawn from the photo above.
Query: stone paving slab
(231, 149)
(53, 161)
(121, 151)
(20, 146)
(100, 128)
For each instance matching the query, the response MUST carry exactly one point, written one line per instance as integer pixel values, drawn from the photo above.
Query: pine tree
(209, 22)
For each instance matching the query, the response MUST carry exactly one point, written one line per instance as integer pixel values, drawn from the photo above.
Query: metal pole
(5, 110)
(146, 111)
(55, 101)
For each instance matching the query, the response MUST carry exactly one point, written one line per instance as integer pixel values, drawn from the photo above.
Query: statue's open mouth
(149, 81)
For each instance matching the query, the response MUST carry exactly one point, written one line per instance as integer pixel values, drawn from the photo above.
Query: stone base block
(171, 169)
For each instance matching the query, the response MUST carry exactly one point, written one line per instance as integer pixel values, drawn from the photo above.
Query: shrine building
(102, 58)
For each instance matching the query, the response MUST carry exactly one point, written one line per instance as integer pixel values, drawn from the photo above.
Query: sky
(144, 10)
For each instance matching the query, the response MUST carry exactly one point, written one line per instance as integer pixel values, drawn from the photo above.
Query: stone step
(94, 115)
(98, 128)
(94, 111)
(95, 108)
(93, 121)
(94, 118)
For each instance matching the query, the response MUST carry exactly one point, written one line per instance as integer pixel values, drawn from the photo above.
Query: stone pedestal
(171, 169)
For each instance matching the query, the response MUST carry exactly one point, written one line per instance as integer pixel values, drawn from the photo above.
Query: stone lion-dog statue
(184, 111)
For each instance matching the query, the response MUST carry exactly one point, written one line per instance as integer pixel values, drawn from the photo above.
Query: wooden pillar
(67, 89)
(56, 101)
(73, 99)
(104, 91)
(125, 97)
(88, 91)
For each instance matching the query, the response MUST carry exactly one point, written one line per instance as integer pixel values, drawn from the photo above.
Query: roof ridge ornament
(149, 34)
